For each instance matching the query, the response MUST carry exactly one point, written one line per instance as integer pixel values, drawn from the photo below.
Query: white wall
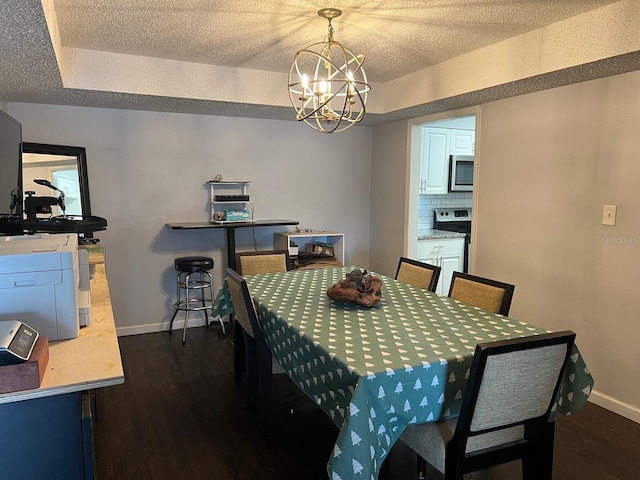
(148, 168)
(549, 161)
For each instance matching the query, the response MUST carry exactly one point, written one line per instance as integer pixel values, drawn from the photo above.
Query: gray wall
(550, 161)
(388, 198)
(147, 169)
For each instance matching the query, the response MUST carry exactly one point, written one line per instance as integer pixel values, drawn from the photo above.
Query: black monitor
(10, 167)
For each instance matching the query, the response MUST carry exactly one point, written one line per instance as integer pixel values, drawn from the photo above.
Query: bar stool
(193, 275)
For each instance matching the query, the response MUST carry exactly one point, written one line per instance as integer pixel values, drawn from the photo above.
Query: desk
(375, 371)
(230, 232)
(45, 424)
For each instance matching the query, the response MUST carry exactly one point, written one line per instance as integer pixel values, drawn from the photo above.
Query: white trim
(621, 408)
(163, 327)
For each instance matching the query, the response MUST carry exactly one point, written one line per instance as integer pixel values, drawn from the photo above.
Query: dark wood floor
(179, 415)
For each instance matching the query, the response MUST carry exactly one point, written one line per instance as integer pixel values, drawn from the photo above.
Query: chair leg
(223, 330)
(421, 468)
(184, 327)
(265, 381)
(253, 374)
(537, 461)
(175, 312)
(187, 279)
(239, 360)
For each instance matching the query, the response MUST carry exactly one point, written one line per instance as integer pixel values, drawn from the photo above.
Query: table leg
(231, 246)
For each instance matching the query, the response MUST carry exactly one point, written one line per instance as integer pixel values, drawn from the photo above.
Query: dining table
(376, 370)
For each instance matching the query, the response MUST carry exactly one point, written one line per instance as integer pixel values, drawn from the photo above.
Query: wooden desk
(230, 232)
(47, 430)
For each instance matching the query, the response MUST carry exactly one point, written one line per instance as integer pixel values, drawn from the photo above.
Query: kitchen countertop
(431, 234)
(91, 360)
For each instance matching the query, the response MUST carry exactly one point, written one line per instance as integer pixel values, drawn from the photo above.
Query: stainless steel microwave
(461, 173)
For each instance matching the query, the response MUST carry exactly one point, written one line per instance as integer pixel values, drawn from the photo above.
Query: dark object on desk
(358, 287)
(70, 224)
(505, 410)
(232, 198)
(27, 375)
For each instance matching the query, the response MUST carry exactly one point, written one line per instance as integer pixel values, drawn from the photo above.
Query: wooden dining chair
(505, 413)
(482, 292)
(418, 274)
(265, 261)
(259, 362)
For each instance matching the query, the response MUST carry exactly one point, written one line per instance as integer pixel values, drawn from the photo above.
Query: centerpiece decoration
(357, 287)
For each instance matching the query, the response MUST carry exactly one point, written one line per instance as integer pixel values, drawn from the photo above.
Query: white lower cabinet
(447, 253)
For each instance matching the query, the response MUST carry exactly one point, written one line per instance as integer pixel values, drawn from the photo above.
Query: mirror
(65, 167)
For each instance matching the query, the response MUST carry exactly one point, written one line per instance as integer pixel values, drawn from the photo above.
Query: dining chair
(259, 362)
(506, 411)
(265, 261)
(418, 274)
(482, 292)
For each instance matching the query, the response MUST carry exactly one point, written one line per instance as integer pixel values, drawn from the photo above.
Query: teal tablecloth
(375, 371)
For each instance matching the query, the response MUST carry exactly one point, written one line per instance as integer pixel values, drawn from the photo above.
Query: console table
(47, 430)
(230, 232)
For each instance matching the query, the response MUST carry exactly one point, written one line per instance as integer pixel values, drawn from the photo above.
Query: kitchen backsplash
(429, 202)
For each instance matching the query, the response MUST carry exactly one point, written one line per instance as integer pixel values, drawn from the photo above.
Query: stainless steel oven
(455, 220)
(461, 173)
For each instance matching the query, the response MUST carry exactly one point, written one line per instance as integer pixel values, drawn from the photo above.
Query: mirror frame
(81, 155)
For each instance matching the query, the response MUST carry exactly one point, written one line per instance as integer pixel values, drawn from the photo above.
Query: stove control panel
(452, 214)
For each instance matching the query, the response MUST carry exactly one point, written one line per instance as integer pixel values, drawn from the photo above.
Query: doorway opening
(433, 141)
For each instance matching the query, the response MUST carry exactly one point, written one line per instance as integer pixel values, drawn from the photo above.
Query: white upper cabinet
(434, 165)
(463, 142)
(437, 145)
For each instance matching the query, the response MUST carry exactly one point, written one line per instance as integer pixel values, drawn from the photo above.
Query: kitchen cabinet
(446, 253)
(463, 142)
(434, 164)
(437, 145)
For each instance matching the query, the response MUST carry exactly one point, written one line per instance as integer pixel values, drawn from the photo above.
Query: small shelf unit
(284, 241)
(218, 207)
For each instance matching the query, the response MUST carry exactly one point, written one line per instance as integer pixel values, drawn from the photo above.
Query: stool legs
(187, 284)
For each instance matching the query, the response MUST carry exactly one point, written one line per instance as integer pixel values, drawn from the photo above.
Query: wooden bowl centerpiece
(357, 287)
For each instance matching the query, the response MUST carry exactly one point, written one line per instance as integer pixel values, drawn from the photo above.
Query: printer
(44, 282)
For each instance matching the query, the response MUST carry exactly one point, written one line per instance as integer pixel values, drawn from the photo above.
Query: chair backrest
(267, 261)
(418, 274)
(482, 292)
(511, 383)
(243, 306)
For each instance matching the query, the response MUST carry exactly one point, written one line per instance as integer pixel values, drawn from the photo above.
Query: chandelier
(327, 85)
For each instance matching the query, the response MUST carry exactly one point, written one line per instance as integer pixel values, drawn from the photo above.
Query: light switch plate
(609, 215)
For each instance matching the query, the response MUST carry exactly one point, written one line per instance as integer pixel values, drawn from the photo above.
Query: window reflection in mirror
(65, 167)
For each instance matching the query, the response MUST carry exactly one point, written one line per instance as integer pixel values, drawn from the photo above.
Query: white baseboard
(161, 327)
(616, 406)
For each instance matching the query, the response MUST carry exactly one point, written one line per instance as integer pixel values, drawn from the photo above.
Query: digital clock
(17, 340)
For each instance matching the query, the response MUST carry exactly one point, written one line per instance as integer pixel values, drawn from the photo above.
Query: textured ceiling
(397, 37)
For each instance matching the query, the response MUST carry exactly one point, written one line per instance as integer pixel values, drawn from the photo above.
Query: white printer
(44, 282)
